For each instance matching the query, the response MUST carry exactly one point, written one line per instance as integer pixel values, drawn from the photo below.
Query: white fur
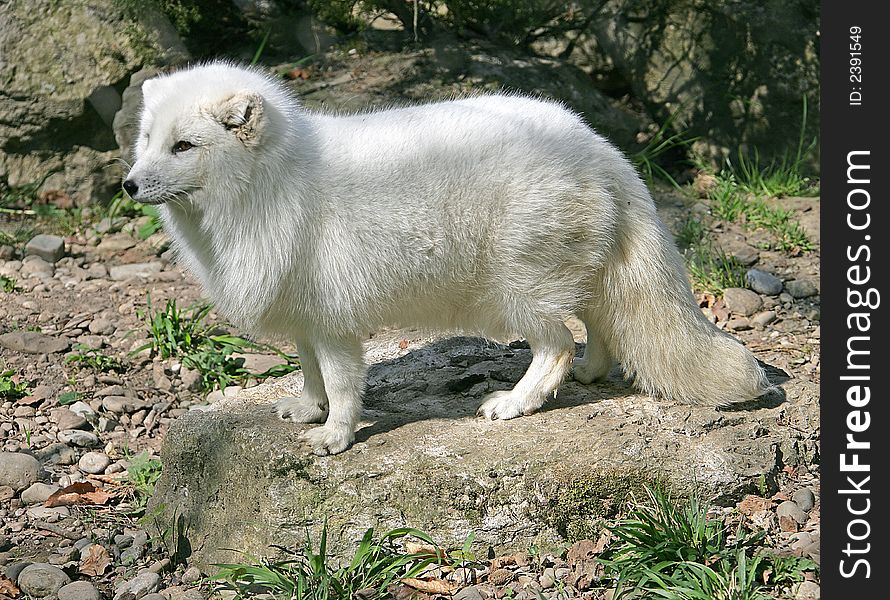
(496, 214)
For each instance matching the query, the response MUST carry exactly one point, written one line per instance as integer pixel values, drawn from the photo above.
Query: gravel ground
(69, 509)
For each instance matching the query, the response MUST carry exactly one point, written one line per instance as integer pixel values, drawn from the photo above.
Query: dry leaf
(426, 550)
(751, 504)
(430, 585)
(94, 560)
(403, 344)
(78, 493)
(8, 588)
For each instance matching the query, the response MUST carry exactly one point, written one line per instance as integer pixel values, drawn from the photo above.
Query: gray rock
(801, 288)
(84, 410)
(93, 462)
(138, 587)
(12, 571)
(40, 579)
(764, 318)
(424, 459)
(78, 590)
(763, 282)
(738, 324)
(48, 247)
(145, 271)
(57, 454)
(191, 575)
(117, 242)
(741, 301)
(18, 470)
(38, 493)
(805, 499)
(32, 342)
(120, 404)
(746, 255)
(76, 437)
(791, 509)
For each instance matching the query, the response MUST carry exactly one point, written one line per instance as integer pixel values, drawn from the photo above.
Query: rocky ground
(69, 500)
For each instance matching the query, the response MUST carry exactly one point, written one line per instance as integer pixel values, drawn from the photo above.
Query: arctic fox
(497, 214)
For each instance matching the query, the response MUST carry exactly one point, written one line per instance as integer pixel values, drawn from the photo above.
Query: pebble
(807, 590)
(764, 318)
(78, 590)
(66, 419)
(500, 577)
(18, 470)
(144, 583)
(801, 288)
(747, 256)
(792, 510)
(57, 454)
(93, 463)
(48, 247)
(32, 342)
(34, 266)
(135, 271)
(41, 579)
(741, 301)
(738, 324)
(76, 437)
(102, 327)
(763, 282)
(37, 493)
(469, 593)
(50, 515)
(118, 404)
(84, 410)
(805, 499)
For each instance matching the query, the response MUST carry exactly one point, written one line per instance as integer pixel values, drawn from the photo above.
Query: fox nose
(131, 187)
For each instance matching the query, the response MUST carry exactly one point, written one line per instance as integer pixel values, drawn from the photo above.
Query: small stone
(746, 255)
(807, 590)
(102, 327)
(548, 578)
(191, 379)
(805, 499)
(763, 282)
(76, 437)
(136, 588)
(41, 579)
(48, 247)
(111, 390)
(801, 288)
(32, 342)
(66, 419)
(37, 493)
(792, 510)
(6, 493)
(93, 463)
(738, 324)
(119, 404)
(78, 590)
(117, 243)
(12, 571)
(50, 515)
(741, 301)
(500, 577)
(84, 410)
(57, 454)
(191, 575)
(18, 470)
(469, 593)
(135, 271)
(764, 318)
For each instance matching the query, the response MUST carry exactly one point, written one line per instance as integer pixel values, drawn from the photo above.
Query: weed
(7, 284)
(647, 159)
(711, 270)
(692, 232)
(67, 398)
(186, 334)
(94, 359)
(142, 473)
(10, 389)
(670, 550)
(308, 574)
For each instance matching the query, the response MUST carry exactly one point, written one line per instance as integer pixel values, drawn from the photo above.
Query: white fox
(496, 214)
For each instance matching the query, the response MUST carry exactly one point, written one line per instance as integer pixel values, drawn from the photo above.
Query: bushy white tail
(645, 316)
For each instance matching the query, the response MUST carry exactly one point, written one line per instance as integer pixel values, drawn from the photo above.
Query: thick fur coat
(501, 215)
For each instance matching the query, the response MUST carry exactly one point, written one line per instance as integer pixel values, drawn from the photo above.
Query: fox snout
(131, 187)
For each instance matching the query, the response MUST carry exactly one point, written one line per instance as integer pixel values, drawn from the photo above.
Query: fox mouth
(132, 190)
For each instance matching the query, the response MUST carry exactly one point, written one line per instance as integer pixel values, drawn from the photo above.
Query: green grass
(94, 359)
(648, 160)
(710, 269)
(186, 334)
(9, 388)
(143, 473)
(7, 284)
(666, 549)
(309, 574)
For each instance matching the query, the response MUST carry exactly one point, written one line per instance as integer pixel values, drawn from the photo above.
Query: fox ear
(241, 113)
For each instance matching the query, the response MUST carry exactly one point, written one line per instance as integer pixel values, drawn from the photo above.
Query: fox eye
(182, 146)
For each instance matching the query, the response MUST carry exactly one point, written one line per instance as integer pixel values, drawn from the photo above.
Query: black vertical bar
(855, 231)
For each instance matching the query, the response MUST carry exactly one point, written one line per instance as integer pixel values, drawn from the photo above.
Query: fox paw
(327, 440)
(300, 410)
(502, 405)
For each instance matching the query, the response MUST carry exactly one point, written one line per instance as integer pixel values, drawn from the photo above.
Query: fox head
(200, 129)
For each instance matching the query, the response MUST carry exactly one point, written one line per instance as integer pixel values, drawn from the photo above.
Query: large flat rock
(236, 478)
